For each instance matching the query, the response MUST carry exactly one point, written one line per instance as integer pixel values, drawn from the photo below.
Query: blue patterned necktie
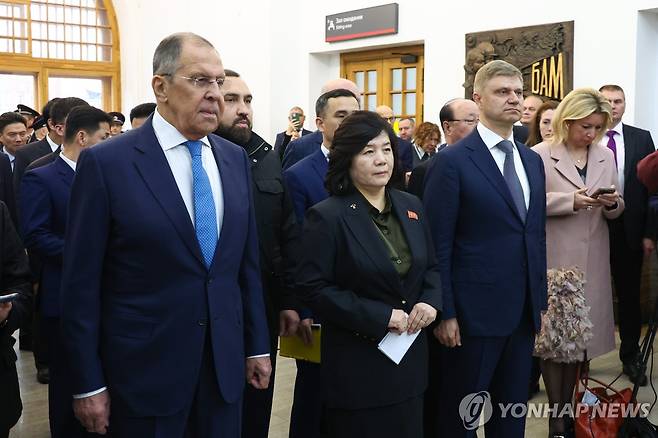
(205, 217)
(512, 179)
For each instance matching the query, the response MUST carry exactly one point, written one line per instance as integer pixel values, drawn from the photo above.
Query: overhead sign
(362, 23)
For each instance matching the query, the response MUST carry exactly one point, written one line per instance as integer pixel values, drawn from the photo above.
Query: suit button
(210, 280)
(202, 322)
(398, 261)
(404, 301)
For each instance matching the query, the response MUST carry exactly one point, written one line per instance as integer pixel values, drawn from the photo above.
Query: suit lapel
(358, 220)
(414, 234)
(229, 178)
(595, 167)
(629, 149)
(153, 167)
(534, 179)
(64, 171)
(483, 160)
(320, 164)
(565, 165)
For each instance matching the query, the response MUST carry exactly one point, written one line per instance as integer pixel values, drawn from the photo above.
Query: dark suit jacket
(637, 223)
(44, 202)
(351, 283)
(521, 133)
(14, 277)
(416, 184)
(301, 148)
(7, 187)
(46, 159)
(405, 154)
(278, 231)
(282, 141)
(138, 311)
(305, 180)
(24, 156)
(474, 222)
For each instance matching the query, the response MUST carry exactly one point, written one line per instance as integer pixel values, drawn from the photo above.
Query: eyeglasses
(467, 121)
(201, 82)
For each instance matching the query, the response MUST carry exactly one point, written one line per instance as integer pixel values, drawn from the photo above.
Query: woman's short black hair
(350, 138)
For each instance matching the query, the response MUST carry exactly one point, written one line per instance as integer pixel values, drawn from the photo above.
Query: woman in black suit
(370, 269)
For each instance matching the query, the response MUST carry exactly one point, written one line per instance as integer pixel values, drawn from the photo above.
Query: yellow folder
(294, 347)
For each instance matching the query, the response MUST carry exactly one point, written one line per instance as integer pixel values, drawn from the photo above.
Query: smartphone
(7, 298)
(296, 117)
(603, 190)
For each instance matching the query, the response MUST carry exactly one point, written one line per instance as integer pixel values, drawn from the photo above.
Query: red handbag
(604, 419)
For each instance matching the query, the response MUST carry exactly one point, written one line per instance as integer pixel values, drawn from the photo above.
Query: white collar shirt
(491, 139)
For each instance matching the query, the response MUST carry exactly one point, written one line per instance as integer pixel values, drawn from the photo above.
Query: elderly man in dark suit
(14, 277)
(458, 119)
(492, 201)
(631, 235)
(162, 304)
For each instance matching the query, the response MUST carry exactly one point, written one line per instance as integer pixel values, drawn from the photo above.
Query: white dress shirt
(53, 145)
(180, 161)
(68, 161)
(325, 150)
(621, 152)
(491, 139)
(11, 157)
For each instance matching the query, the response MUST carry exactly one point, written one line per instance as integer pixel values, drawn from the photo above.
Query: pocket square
(412, 215)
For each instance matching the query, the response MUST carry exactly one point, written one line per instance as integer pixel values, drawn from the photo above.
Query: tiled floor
(34, 423)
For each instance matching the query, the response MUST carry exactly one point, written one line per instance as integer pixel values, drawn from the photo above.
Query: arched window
(58, 48)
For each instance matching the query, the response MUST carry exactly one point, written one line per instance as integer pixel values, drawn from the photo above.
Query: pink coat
(580, 238)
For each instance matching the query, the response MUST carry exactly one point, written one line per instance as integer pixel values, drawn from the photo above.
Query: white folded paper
(395, 346)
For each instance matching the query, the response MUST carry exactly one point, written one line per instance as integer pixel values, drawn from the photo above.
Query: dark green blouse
(393, 237)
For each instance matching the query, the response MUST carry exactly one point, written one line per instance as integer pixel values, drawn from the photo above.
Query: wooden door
(384, 79)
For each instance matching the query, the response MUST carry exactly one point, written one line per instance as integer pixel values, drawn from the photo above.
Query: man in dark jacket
(277, 232)
(14, 277)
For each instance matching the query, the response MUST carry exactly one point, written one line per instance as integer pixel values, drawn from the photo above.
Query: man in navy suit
(44, 201)
(633, 234)
(488, 223)
(310, 143)
(305, 181)
(162, 304)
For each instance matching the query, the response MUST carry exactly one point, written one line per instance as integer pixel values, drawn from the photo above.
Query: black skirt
(401, 420)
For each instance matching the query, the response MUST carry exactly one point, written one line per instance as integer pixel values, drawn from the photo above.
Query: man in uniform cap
(29, 114)
(118, 120)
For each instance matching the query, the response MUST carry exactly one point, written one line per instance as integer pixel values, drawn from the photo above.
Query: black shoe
(632, 370)
(43, 376)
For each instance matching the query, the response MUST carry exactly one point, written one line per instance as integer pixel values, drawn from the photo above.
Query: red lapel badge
(412, 215)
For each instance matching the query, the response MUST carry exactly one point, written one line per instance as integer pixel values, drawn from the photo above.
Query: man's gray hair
(167, 54)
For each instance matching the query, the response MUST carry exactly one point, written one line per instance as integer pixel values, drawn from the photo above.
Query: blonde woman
(581, 181)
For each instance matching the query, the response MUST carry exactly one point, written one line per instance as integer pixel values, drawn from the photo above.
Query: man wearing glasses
(458, 119)
(162, 304)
